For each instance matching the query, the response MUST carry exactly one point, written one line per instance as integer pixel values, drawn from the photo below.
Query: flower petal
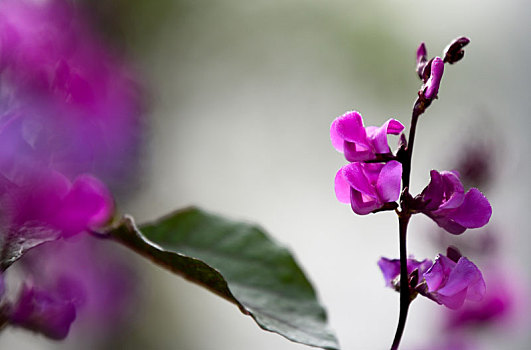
(474, 212)
(438, 272)
(356, 177)
(357, 153)
(88, 204)
(44, 312)
(378, 136)
(362, 204)
(342, 188)
(454, 301)
(432, 195)
(390, 269)
(446, 223)
(461, 277)
(348, 127)
(388, 185)
(454, 192)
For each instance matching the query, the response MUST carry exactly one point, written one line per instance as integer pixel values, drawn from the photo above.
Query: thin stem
(405, 299)
(403, 219)
(418, 109)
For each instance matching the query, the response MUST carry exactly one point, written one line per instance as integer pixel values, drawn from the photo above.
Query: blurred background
(239, 100)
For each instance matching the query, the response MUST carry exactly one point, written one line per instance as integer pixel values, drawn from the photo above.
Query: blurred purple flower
(48, 199)
(502, 300)
(360, 143)
(444, 200)
(368, 186)
(95, 276)
(450, 282)
(66, 100)
(43, 312)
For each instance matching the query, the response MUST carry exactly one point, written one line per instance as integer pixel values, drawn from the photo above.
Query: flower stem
(403, 220)
(405, 300)
(418, 109)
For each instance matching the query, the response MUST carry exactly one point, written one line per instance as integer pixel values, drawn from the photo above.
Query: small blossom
(43, 312)
(445, 201)
(368, 186)
(449, 281)
(431, 87)
(452, 282)
(360, 143)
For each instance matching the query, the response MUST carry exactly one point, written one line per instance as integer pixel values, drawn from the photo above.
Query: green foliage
(238, 262)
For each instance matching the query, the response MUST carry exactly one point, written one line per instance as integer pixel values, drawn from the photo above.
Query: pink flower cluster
(368, 186)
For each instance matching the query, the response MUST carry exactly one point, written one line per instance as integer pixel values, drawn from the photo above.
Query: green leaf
(238, 262)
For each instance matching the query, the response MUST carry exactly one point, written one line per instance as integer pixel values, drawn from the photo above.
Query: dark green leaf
(238, 262)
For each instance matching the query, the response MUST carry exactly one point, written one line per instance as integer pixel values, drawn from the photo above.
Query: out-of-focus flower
(48, 199)
(498, 308)
(431, 87)
(94, 275)
(391, 268)
(450, 282)
(44, 312)
(368, 186)
(360, 143)
(69, 106)
(444, 200)
(66, 100)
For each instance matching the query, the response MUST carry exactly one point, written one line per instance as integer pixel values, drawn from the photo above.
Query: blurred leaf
(238, 262)
(17, 242)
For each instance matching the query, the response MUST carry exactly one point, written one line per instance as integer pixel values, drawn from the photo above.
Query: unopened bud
(436, 73)
(421, 59)
(454, 51)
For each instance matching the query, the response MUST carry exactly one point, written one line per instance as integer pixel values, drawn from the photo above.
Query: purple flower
(100, 280)
(452, 282)
(368, 186)
(391, 269)
(43, 312)
(444, 200)
(448, 281)
(46, 198)
(360, 143)
(67, 100)
(431, 87)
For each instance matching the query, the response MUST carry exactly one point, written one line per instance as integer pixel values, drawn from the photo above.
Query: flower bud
(432, 85)
(454, 51)
(421, 59)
